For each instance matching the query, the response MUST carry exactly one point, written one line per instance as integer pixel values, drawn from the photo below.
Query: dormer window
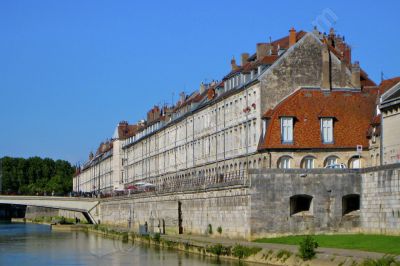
(327, 130)
(287, 129)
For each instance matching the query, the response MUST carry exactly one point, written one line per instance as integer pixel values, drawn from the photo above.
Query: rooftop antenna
(382, 76)
(270, 39)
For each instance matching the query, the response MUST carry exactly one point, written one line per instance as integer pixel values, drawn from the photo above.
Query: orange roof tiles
(352, 112)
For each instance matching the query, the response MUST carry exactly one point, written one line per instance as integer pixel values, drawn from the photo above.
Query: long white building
(220, 130)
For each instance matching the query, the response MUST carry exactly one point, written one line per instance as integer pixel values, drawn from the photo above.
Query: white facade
(101, 174)
(209, 138)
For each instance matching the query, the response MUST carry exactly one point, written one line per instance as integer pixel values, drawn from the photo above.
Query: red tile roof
(387, 84)
(352, 112)
(125, 131)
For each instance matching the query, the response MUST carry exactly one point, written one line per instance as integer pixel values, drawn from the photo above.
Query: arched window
(331, 160)
(308, 162)
(284, 162)
(355, 162)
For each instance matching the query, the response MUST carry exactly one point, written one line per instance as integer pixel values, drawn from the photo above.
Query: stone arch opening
(350, 203)
(300, 203)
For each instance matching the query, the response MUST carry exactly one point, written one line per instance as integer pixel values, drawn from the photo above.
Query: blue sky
(71, 70)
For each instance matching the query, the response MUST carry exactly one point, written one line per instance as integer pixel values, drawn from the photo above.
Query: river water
(33, 244)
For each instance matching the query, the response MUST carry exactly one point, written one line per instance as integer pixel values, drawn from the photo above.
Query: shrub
(209, 229)
(243, 251)
(307, 248)
(63, 220)
(219, 249)
(157, 237)
(219, 229)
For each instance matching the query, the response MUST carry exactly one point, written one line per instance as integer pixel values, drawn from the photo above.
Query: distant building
(296, 102)
(102, 173)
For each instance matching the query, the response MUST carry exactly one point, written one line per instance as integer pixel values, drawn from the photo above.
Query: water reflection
(30, 244)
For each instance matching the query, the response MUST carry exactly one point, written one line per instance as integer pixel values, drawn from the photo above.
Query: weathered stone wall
(228, 209)
(380, 203)
(302, 66)
(264, 208)
(272, 189)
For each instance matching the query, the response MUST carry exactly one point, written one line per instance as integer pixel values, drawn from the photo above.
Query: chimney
(326, 71)
(347, 54)
(355, 75)
(91, 156)
(182, 97)
(292, 37)
(233, 64)
(244, 58)
(262, 50)
(202, 88)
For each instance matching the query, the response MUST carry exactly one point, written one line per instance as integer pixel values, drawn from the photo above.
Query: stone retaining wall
(269, 205)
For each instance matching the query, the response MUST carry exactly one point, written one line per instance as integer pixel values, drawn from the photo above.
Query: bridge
(83, 205)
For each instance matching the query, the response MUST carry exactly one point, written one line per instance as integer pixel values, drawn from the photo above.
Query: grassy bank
(373, 243)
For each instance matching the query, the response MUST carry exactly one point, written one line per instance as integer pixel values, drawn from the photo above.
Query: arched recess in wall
(356, 162)
(285, 162)
(350, 203)
(300, 203)
(308, 162)
(331, 160)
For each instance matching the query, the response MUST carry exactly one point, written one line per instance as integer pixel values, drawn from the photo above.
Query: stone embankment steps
(204, 241)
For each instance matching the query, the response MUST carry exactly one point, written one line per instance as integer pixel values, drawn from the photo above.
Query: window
(331, 160)
(355, 162)
(327, 130)
(287, 129)
(284, 162)
(308, 162)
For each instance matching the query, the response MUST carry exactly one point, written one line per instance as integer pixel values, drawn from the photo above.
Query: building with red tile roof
(218, 128)
(350, 112)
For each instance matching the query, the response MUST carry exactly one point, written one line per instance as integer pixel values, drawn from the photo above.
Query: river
(34, 244)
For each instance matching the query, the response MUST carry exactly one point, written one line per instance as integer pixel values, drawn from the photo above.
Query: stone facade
(380, 204)
(228, 209)
(102, 173)
(390, 109)
(274, 191)
(273, 202)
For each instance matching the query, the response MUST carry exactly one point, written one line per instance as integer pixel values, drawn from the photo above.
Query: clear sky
(71, 70)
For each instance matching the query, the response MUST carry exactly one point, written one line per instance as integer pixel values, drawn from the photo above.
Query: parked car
(336, 166)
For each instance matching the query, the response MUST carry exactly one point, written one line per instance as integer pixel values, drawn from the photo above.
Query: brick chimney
(355, 75)
(347, 54)
(233, 64)
(244, 58)
(326, 71)
(262, 50)
(292, 37)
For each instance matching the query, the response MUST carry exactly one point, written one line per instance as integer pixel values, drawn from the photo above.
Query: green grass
(375, 243)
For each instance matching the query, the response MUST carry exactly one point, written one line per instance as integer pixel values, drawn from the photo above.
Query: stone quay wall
(271, 202)
(380, 202)
(194, 212)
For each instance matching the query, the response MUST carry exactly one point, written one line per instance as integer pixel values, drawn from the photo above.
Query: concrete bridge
(83, 205)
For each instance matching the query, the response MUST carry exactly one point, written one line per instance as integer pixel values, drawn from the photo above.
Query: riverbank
(253, 252)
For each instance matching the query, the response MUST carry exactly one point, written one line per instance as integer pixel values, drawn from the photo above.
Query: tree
(36, 175)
